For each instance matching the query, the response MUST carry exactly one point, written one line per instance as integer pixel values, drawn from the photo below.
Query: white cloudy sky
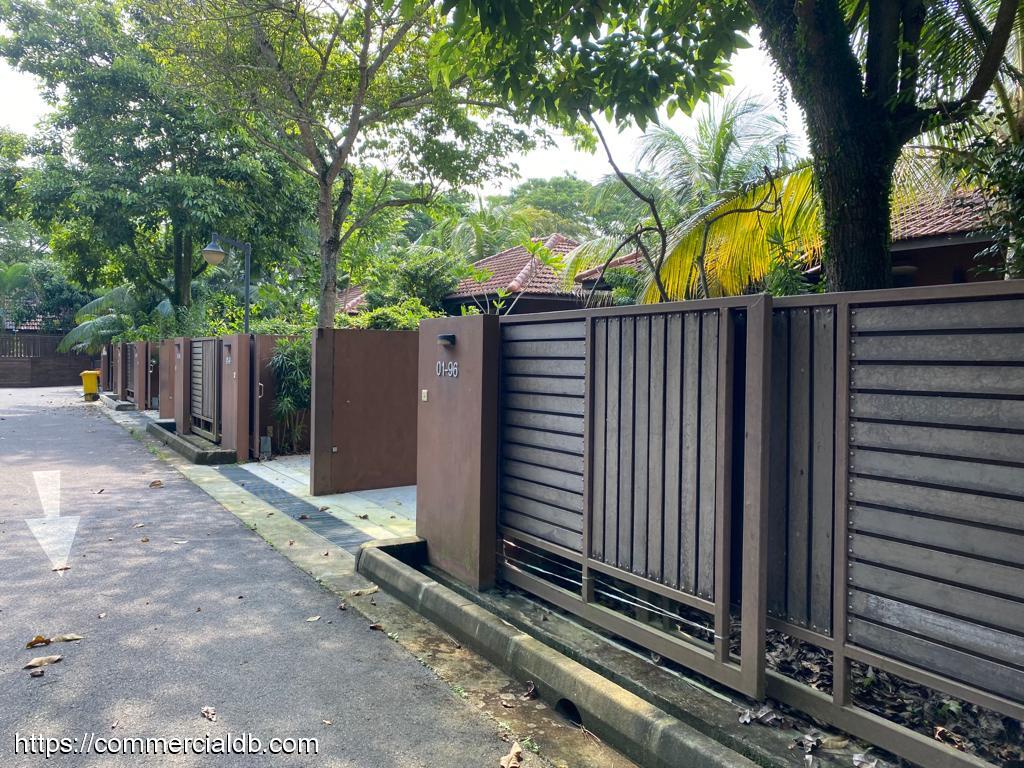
(21, 106)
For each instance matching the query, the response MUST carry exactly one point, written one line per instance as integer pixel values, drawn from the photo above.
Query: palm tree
(110, 315)
(683, 181)
(13, 278)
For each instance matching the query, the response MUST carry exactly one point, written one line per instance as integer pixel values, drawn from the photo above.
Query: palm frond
(123, 298)
(90, 335)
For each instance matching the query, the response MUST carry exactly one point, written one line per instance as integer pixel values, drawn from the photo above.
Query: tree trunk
(855, 182)
(329, 236)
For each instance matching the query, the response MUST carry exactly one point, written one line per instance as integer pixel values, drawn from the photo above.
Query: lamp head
(213, 253)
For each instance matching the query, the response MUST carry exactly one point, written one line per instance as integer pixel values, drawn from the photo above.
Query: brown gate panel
(166, 366)
(936, 522)
(801, 479)
(205, 388)
(129, 371)
(542, 436)
(655, 473)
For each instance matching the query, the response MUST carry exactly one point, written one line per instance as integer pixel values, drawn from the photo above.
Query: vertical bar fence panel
(616, 474)
(204, 389)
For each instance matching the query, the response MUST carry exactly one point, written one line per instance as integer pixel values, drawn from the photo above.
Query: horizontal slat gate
(542, 431)
(936, 518)
(129, 372)
(204, 396)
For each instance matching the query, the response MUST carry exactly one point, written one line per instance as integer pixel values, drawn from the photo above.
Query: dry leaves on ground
(144, 539)
(157, 484)
(209, 713)
(361, 592)
(67, 637)
(363, 517)
(37, 641)
(42, 661)
(377, 627)
(36, 673)
(531, 691)
(313, 618)
(514, 758)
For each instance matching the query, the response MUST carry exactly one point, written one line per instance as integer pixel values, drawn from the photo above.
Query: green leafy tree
(870, 77)
(328, 86)
(133, 173)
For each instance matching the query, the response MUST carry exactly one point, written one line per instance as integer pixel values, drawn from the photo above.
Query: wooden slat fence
(879, 515)
(204, 387)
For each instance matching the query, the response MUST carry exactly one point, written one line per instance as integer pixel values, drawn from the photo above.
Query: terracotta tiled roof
(954, 214)
(351, 300)
(516, 271)
(626, 260)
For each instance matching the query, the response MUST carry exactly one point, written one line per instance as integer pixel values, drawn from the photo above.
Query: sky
(22, 106)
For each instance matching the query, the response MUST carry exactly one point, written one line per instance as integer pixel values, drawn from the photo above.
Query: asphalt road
(181, 607)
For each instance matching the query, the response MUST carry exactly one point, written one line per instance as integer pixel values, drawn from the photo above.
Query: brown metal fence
(847, 469)
(129, 371)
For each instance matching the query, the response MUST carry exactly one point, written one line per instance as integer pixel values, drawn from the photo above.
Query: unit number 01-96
(447, 370)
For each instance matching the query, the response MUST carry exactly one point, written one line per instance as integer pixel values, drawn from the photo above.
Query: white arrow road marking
(54, 533)
(48, 488)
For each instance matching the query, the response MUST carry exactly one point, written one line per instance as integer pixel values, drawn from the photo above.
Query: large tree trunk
(855, 183)
(329, 237)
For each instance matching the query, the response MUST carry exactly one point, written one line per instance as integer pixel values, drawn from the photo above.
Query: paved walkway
(182, 607)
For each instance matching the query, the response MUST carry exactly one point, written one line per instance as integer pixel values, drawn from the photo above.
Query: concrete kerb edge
(639, 729)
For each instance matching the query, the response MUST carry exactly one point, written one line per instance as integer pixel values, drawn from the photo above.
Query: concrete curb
(114, 404)
(193, 453)
(635, 727)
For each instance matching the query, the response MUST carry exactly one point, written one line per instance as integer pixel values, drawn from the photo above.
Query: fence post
(457, 445)
(321, 413)
(235, 392)
(755, 497)
(182, 382)
(121, 385)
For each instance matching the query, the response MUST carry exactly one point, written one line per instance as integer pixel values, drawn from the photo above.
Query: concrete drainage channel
(640, 730)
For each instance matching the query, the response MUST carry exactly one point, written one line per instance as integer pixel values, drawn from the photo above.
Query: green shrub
(405, 316)
(291, 365)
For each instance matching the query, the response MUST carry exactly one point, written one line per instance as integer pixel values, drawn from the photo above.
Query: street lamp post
(214, 255)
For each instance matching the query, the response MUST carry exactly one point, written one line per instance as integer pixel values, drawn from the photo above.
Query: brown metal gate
(854, 461)
(617, 475)
(129, 372)
(204, 397)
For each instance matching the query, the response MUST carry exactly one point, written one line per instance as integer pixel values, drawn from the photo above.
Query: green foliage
(133, 173)
(626, 285)
(404, 316)
(567, 59)
(291, 366)
(47, 294)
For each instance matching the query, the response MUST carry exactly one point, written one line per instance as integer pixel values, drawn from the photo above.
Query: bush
(405, 316)
(292, 367)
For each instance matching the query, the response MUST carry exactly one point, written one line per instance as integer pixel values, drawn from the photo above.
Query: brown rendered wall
(235, 385)
(457, 446)
(166, 379)
(363, 416)
(57, 370)
(182, 371)
(142, 394)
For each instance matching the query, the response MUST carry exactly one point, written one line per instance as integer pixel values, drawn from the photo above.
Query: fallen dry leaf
(157, 484)
(65, 638)
(328, 722)
(377, 627)
(327, 554)
(861, 760)
(514, 758)
(531, 691)
(303, 516)
(342, 607)
(144, 539)
(61, 568)
(322, 509)
(139, 525)
(833, 743)
(42, 661)
(37, 641)
(101, 615)
(506, 705)
(180, 541)
(313, 618)
(113, 725)
(363, 517)
(291, 542)
(209, 713)
(361, 592)
(100, 491)
(36, 673)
